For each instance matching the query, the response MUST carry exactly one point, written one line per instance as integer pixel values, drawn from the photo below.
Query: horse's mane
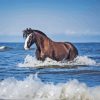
(27, 31)
(40, 32)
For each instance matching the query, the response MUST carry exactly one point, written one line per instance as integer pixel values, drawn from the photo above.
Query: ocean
(23, 77)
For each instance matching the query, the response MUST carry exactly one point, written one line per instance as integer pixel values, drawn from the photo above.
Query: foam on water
(30, 61)
(32, 88)
(2, 48)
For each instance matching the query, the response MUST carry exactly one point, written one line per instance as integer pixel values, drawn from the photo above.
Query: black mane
(40, 32)
(29, 31)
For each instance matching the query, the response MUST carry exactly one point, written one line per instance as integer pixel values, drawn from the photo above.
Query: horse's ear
(27, 29)
(30, 29)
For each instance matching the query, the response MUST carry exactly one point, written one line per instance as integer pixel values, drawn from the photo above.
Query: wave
(30, 61)
(3, 48)
(32, 88)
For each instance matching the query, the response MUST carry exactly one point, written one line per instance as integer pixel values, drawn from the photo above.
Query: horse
(46, 47)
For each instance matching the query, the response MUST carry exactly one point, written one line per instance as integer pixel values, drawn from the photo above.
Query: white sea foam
(3, 47)
(30, 61)
(32, 88)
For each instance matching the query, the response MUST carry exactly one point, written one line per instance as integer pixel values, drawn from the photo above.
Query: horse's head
(29, 36)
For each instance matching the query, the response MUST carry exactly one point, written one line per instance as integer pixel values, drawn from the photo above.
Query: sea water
(23, 77)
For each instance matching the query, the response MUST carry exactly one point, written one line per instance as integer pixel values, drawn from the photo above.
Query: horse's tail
(73, 52)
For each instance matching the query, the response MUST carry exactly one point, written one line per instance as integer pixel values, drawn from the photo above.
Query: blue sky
(61, 20)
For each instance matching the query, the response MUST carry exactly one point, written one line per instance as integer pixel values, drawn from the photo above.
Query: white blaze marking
(25, 45)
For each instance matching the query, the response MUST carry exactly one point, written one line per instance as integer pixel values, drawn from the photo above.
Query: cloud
(80, 32)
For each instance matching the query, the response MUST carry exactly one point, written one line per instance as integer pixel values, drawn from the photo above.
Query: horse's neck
(40, 42)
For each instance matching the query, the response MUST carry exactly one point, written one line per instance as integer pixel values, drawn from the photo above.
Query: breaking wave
(30, 61)
(3, 48)
(32, 88)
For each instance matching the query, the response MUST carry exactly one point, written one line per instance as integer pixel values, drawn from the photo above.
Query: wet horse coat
(48, 48)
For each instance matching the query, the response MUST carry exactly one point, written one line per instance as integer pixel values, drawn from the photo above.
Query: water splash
(32, 88)
(30, 61)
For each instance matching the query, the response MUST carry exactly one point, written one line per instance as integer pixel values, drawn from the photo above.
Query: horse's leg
(42, 56)
(72, 52)
(37, 54)
(70, 56)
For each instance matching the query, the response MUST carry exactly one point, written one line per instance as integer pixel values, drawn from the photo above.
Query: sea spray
(32, 88)
(30, 61)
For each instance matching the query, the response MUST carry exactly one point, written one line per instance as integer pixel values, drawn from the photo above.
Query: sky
(61, 20)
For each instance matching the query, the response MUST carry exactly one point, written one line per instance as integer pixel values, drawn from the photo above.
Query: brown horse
(47, 48)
